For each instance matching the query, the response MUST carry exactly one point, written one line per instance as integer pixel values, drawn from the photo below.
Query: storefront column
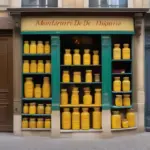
(139, 99)
(17, 82)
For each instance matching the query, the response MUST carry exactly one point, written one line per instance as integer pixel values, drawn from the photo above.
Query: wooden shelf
(75, 131)
(121, 107)
(37, 74)
(36, 115)
(35, 129)
(36, 55)
(121, 92)
(124, 129)
(80, 65)
(36, 99)
(80, 105)
(82, 83)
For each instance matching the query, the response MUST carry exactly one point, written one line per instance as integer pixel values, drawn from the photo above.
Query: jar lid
(97, 74)
(47, 119)
(125, 44)
(75, 109)
(33, 60)
(33, 41)
(97, 90)
(29, 78)
(26, 42)
(85, 109)
(32, 119)
(40, 60)
(48, 104)
(26, 60)
(38, 85)
(65, 71)
(68, 50)
(95, 51)
(86, 49)
(66, 109)
(117, 77)
(40, 42)
(117, 44)
(76, 50)
(96, 108)
(40, 104)
(126, 95)
(63, 90)
(124, 120)
(131, 110)
(25, 118)
(26, 104)
(88, 70)
(46, 42)
(118, 95)
(32, 103)
(116, 112)
(47, 60)
(77, 72)
(40, 119)
(125, 77)
(46, 78)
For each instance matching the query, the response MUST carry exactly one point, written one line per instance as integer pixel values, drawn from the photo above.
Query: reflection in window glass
(27, 3)
(52, 3)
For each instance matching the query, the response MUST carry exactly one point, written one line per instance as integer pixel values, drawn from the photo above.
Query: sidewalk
(135, 142)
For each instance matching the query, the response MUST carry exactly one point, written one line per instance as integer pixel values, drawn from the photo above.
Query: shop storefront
(78, 74)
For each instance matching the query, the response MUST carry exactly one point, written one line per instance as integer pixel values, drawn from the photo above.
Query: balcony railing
(108, 3)
(39, 3)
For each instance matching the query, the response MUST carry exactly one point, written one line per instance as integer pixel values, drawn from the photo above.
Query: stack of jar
(125, 84)
(77, 121)
(77, 57)
(125, 52)
(122, 102)
(37, 92)
(36, 48)
(118, 121)
(35, 67)
(36, 123)
(77, 77)
(87, 97)
(32, 109)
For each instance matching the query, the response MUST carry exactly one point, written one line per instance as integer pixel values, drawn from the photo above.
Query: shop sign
(77, 24)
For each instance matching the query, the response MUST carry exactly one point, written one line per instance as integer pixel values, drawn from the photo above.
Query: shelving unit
(122, 68)
(37, 79)
(67, 42)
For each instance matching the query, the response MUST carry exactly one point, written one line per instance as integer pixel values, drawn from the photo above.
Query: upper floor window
(39, 3)
(108, 3)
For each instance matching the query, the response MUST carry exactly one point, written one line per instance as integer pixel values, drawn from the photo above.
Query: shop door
(6, 83)
(147, 79)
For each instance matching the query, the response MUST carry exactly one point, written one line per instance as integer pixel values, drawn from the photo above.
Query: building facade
(24, 15)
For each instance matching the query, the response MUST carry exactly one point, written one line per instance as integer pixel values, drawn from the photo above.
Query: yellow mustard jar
(28, 88)
(125, 123)
(32, 108)
(96, 77)
(87, 98)
(97, 119)
(33, 66)
(33, 47)
(116, 120)
(85, 119)
(37, 91)
(25, 108)
(86, 57)
(67, 57)
(117, 84)
(76, 57)
(65, 76)
(126, 52)
(126, 100)
(47, 66)
(40, 109)
(26, 66)
(126, 84)
(48, 109)
(66, 119)
(75, 97)
(47, 48)
(46, 88)
(25, 123)
(98, 97)
(64, 97)
(75, 119)
(88, 76)
(131, 117)
(40, 123)
(40, 66)
(32, 123)
(95, 57)
(118, 100)
(40, 47)
(47, 123)
(26, 47)
(77, 77)
(117, 52)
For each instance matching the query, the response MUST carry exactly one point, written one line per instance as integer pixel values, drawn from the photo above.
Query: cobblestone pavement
(134, 142)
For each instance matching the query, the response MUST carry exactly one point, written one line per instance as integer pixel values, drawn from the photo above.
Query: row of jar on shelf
(32, 108)
(77, 76)
(77, 120)
(36, 67)
(123, 85)
(76, 59)
(119, 120)
(125, 101)
(36, 48)
(30, 91)
(36, 123)
(87, 97)
(118, 54)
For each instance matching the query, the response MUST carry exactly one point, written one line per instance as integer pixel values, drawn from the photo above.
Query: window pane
(98, 3)
(27, 3)
(52, 3)
(42, 3)
(123, 3)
